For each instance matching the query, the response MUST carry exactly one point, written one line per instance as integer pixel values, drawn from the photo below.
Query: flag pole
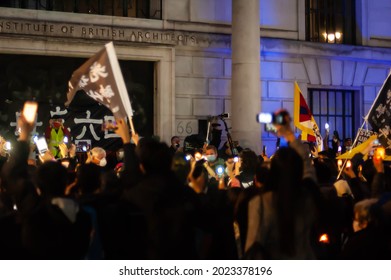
(365, 120)
(120, 83)
(377, 97)
(354, 143)
(131, 125)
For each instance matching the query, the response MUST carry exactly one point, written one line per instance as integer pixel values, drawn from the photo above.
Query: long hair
(250, 161)
(286, 173)
(51, 178)
(154, 156)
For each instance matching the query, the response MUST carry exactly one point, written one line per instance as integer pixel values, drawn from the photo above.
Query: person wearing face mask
(97, 156)
(55, 134)
(212, 161)
(175, 144)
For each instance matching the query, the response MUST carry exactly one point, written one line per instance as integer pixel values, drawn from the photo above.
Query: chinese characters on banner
(379, 115)
(45, 80)
(84, 120)
(101, 79)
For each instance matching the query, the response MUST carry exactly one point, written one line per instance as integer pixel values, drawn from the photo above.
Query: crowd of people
(167, 202)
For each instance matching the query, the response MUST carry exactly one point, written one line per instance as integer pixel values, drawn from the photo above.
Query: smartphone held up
(42, 145)
(29, 112)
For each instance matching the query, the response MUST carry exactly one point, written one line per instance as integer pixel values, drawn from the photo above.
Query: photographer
(281, 218)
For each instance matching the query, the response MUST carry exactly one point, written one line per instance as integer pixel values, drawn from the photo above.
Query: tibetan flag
(100, 77)
(304, 120)
(379, 116)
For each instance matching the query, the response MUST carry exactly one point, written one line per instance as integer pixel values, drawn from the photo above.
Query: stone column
(245, 85)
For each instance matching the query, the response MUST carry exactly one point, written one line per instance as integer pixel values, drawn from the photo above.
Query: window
(330, 21)
(151, 9)
(337, 108)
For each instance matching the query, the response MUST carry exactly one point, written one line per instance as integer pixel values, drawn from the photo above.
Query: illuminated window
(337, 108)
(330, 21)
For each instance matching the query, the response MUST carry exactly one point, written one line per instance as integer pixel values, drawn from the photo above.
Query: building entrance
(45, 79)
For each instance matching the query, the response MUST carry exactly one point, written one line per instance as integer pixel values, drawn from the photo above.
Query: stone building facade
(191, 50)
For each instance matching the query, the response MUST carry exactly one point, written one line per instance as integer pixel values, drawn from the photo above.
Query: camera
(82, 146)
(280, 117)
(270, 120)
(264, 118)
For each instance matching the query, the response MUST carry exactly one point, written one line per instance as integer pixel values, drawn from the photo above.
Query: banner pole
(207, 133)
(377, 96)
(354, 143)
(131, 125)
(366, 117)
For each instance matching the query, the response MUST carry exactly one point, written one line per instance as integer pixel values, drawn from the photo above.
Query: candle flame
(324, 238)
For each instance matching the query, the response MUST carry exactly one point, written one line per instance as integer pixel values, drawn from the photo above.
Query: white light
(7, 145)
(265, 118)
(326, 126)
(220, 170)
(324, 35)
(338, 35)
(331, 38)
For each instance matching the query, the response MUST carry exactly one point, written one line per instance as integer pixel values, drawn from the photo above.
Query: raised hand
(122, 129)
